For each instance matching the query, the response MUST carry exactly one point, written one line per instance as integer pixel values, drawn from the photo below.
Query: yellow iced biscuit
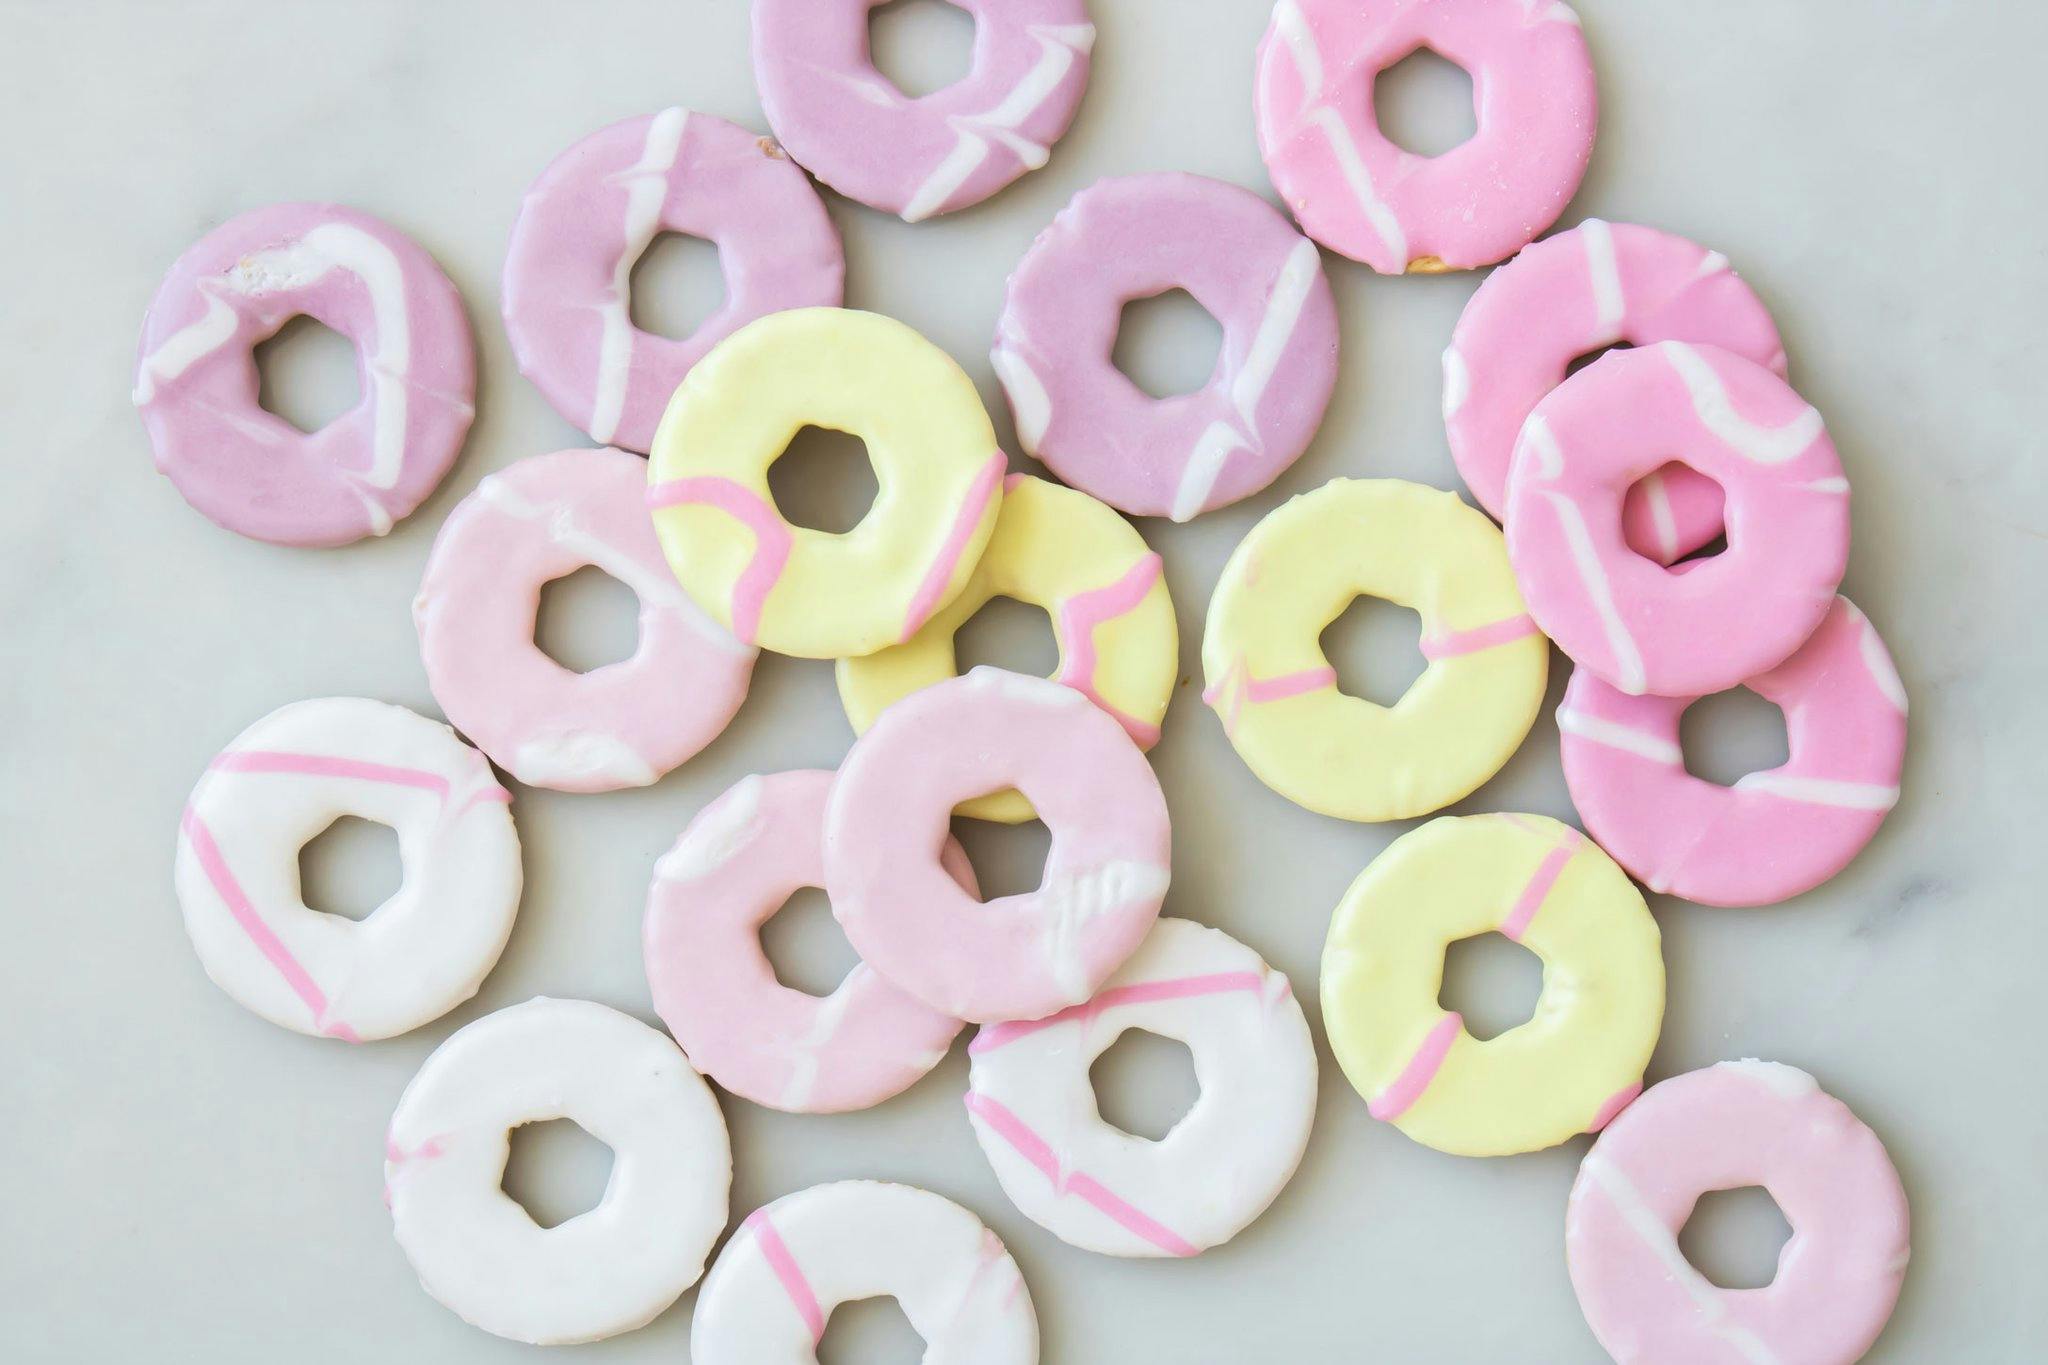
(938, 476)
(1268, 678)
(1095, 577)
(1578, 1060)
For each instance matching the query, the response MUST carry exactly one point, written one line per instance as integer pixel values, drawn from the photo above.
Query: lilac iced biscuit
(851, 127)
(1132, 238)
(593, 212)
(196, 382)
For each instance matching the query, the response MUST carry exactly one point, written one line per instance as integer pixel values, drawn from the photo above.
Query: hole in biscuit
(676, 286)
(823, 481)
(1732, 734)
(1167, 344)
(350, 868)
(1647, 524)
(863, 1331)
(587, 620)
(806, 946)
(1492, 981)
(306, 374)
(555, 1170)
(1008, 860)
(1376, 648)
(1735, 1237)
(920, 46)
(1424, 104)
(1581, 361)
(1144, 1084)
(1008, 634)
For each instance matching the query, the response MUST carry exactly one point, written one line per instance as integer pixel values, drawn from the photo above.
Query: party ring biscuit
(1095, 577)
(792, 589)
(1269, 680)
(1577, 1061)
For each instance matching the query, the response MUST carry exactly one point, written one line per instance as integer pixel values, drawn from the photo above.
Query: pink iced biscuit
(733, 868)
(196, 383)
(1773, 834)
(1535, 104)
(622, 725)
(853, 129)
(1015, 957)
(593, 212)
(1598, 285)
(1133, 237)
(1726, 1127)
(1640, 626)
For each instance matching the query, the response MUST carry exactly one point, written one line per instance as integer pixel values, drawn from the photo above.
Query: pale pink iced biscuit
(731, 870)
(1711, 623)
(1535, 104)
(1220, 1166)
(1598, 285)
(773, 1288)
(1727, 1127)
(622, 725)
(1015, 957)
(593, 212)
(283, 781)
(851, 127)
(1774, 834)
(196, 382)
(1134, 237)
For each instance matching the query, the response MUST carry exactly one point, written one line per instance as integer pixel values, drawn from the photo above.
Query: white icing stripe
(1628, 661)
(1030, 404)
(188, 345)
(1542, 443)
(1657, 1239)
(646, 182)
(1457, 382)
(1837, 485)
(1301, 46)
(1078, 898)
(1605, 273)
(1710, 403)
(1878, 660)
(1713, 263)
(1558, 13)
(825, 1025)
(717, 834)
(1205, 465)
(1609, 734)
(553, 760)
(1658, 495)
(1360, 180)
(1289, 294)
(1059, 45)
(1822, 791)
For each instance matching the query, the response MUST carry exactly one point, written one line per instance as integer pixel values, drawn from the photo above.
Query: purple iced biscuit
(196, 382)
(593, 212)
(852, 128)
(1132, 238)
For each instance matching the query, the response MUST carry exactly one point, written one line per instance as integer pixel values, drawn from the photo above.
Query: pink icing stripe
(772, 540)
(1456, 642)
(1532, 897)
(1618, 1101)
(931, 593)
(325, 765)
(1079, 617)
(776, 1252)
(266, 941)
(1238, 686)
(1407, 1088)
(993, 1036)
(1035, 1150)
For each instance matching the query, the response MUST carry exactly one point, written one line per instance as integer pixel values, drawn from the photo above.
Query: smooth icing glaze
(774, 1286)
(1133, 237)
(1535, 104)
(1577, 1061)
(852, 128)
(1277, 695)
(587, 220)
(1598, 285)
(732, 869)
(1726, 1127)
(1099, 583)
(1102, 1189)
(605, 1271)
(196, 384)
(283, 781)
(1773, 834)
(1642, 627)
(622, 725)
(1015, 957)
(796, 590)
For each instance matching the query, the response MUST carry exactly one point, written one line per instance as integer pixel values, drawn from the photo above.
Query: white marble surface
(187, 1183)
